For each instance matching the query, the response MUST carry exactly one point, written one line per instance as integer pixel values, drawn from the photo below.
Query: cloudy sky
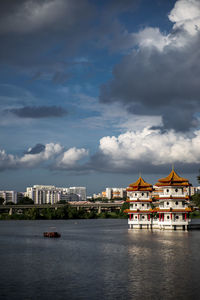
(92, 93)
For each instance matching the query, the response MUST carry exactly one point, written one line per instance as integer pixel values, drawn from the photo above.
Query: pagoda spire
(173, 179)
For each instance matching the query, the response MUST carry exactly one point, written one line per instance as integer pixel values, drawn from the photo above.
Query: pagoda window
(167, 217)
(142, 204)
(176, 202)
(135, 194)
(135, 217)
(167, 203)
(167, 191)
(142, 194)
(177, 217)
(142, 217)
(136, 205)
(176, 190)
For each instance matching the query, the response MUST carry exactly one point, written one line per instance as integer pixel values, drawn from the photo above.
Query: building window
(142, 217)
(142, 204)
(135, 217)
(168, 217)
(176, 190)
(167, 191)
(142, 194)
(167, 203)
(135, 194)
(176, 202)
(177, 217)
(135, 205)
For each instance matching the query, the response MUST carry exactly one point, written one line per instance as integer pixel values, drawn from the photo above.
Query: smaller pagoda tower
(139, 197)
(173, 211)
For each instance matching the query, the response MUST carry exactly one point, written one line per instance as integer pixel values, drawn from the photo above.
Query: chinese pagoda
(163, 207)
(173, 210)
(139, 197)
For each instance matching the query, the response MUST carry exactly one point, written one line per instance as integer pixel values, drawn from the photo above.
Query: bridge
(99, 206)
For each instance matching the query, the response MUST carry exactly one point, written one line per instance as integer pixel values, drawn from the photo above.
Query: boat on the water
(53, 234)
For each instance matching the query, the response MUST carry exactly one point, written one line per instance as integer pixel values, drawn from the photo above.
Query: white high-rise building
(9, 196)
(43, 194)
(49, 194)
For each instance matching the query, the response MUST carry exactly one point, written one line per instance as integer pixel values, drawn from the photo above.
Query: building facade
(164, 207)
(49, 194)
(114, 193)
(140, 212)
(9, 196)
(80, 191)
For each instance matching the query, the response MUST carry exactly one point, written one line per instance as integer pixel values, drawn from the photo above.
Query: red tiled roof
(139, 185)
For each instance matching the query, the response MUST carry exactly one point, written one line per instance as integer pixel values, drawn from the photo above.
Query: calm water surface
(97, 259)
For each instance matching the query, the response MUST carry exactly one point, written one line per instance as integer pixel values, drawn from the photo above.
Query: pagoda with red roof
(139, 197)
(170, 209)
(173, 211)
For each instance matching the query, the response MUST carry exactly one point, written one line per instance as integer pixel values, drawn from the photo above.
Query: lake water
(97, 259)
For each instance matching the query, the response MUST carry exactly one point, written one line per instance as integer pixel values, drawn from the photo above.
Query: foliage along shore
(63, 213)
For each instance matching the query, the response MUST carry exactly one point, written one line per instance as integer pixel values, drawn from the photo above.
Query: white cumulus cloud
(186, 15)
(53, 155)
(186, 18)
(70, 157)
(151, 146)
(50, 151)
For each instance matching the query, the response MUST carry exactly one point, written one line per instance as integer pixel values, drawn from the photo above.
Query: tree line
(65, 212)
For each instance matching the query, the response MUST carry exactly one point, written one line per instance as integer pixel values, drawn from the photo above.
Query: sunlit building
(140, 212)
(114, 193)
(166, 206)
(49, 194)
(9, 196)
(173, 211)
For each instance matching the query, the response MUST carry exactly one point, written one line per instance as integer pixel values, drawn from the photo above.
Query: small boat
(53, 234)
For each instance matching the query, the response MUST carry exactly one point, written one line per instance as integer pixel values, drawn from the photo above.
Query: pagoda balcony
(138, 199)
(141, 222)
(175, 195)
(172, 222)
(157, 222)
(180, 206)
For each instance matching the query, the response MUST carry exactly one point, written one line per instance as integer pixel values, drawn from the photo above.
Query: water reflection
(160, 265)
(97, 259)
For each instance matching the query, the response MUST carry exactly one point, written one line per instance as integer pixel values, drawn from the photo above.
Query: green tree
(196, 199)
(1, 200)
(62, 202)
(198, 177)
(10, 203)
(32, 214)
(125, 206)
(25, 201)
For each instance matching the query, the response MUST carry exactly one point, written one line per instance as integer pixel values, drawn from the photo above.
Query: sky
(94, 93)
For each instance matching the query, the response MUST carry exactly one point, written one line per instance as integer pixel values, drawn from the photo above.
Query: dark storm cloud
(102, 163)
(42, 36)
(153, 82)
(38, 148)
(38, 112)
